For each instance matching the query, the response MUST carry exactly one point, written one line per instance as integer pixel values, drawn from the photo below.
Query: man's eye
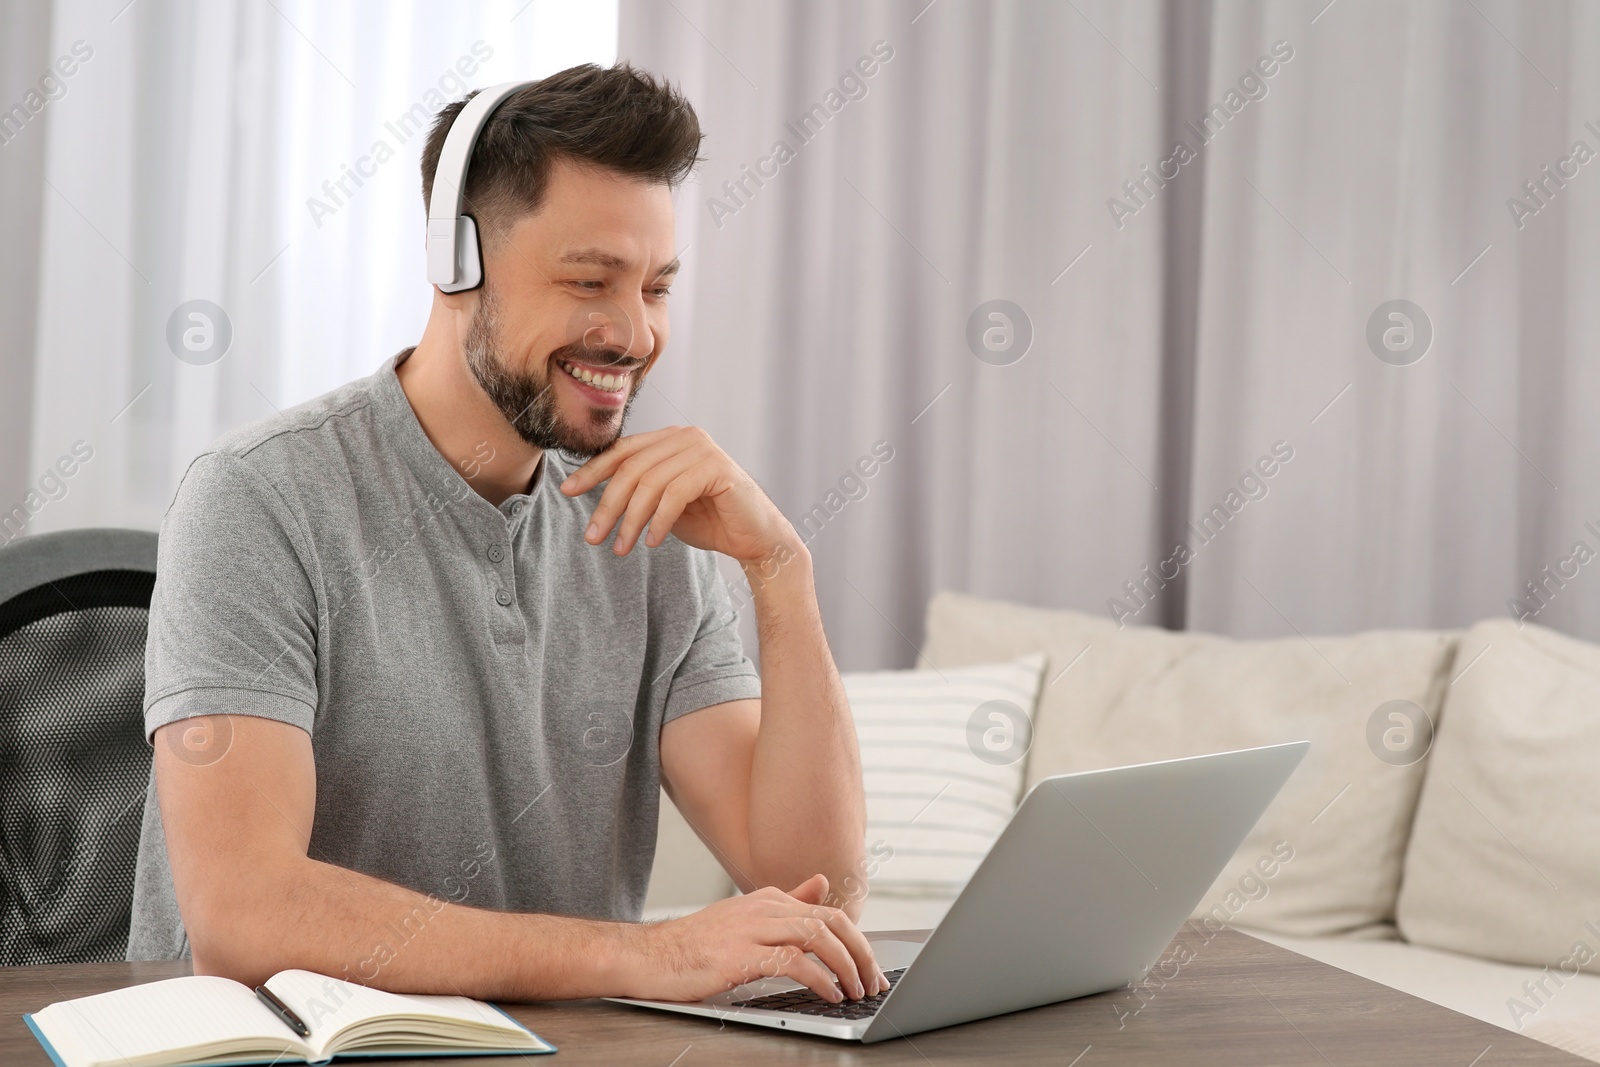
(593, 287)
(663, 293)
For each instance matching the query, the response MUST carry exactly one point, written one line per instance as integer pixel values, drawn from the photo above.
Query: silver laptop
(1088, 885)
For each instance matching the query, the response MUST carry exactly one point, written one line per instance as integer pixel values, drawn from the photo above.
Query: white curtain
(259, 156)
(1210, 329)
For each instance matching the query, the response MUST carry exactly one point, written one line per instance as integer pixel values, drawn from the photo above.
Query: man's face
(573, 310)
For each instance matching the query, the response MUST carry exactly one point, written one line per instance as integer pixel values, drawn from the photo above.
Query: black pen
(282, 1011)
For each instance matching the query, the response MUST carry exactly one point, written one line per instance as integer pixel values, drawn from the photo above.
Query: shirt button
(516, 508)
(496, 553)
(503, 598)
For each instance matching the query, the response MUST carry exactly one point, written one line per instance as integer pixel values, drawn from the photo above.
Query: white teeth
(608, 382)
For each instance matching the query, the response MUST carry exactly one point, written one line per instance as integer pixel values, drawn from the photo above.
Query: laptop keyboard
(804, 1002)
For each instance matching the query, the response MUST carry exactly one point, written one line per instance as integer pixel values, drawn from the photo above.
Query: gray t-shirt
(484, 690)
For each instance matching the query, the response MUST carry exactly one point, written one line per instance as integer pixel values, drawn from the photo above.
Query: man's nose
(620, 326)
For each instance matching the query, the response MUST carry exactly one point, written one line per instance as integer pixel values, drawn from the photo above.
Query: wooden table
(1223, 998)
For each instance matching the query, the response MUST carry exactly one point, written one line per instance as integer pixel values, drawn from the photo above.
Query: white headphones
(455, 261)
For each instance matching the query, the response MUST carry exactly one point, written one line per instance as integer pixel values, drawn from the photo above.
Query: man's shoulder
(286, 455)
(317, 424)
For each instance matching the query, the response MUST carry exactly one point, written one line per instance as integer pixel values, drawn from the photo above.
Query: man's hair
(618, 118)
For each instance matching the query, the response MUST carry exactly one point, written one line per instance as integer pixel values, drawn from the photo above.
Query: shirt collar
(399, 423)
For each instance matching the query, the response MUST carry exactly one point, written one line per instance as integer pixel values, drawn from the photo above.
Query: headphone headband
(455, 263)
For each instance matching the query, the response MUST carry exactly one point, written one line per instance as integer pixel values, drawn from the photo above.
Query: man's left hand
(676, 480)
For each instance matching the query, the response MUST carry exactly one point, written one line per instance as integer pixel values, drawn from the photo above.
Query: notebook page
(144, 1020)
(328, 1005)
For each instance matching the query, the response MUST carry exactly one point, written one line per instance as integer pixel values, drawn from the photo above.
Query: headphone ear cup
(469, 258)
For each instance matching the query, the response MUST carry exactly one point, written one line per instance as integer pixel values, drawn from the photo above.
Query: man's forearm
(318, 917)
(807, 812)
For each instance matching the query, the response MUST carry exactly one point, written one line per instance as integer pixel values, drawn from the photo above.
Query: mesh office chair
(73, 762)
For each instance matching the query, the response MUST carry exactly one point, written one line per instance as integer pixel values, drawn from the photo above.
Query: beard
(527, 398)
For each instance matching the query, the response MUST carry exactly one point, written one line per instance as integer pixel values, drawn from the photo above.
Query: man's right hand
(764, 934)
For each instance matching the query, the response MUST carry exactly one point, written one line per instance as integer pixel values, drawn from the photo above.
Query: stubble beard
(527, 398)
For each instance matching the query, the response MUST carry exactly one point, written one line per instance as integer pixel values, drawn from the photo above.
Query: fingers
(679, 495)
(813, 933)
(623, 482)
(669, 482)
(605, 464)
(769, 933)
(792, 962)
(813, 890)
(855, 942)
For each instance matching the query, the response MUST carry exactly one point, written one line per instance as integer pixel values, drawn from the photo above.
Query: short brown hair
(619, 118)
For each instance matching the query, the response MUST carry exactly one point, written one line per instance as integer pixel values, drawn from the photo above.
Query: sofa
(1441, 836)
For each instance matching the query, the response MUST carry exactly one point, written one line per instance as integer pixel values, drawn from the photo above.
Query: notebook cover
(55, 1057)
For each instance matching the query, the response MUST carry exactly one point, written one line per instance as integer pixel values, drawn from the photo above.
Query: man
(416, 670)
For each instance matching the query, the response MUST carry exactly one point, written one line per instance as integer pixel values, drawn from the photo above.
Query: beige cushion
(1114, 696)
(1504, 859)
(941, 760)
(934, 804)
(891, 911)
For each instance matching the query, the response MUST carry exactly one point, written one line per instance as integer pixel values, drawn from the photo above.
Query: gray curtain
(1213, 360)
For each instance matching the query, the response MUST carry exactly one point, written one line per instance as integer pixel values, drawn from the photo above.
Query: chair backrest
(74, 765)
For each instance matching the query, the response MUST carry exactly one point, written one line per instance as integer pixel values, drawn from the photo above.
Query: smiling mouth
(607, 381)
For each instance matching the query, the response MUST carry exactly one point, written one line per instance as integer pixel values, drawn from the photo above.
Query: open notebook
(187, 1022)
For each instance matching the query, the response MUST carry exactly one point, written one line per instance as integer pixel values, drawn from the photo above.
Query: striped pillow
(942, 754)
